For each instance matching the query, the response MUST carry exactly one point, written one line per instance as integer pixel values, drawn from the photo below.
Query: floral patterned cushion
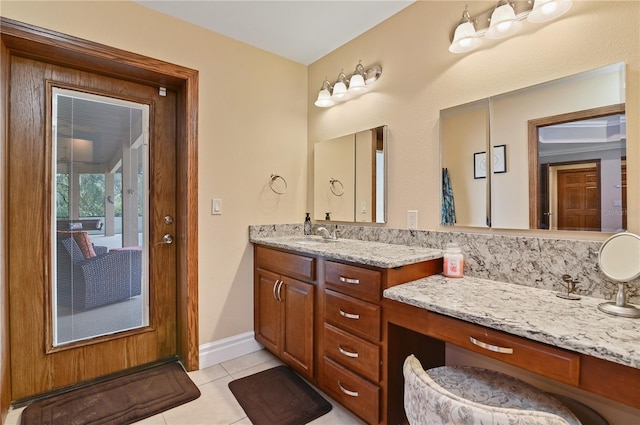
(467, 395)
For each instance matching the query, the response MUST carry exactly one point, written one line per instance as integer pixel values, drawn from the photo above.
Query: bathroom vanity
(346, 313)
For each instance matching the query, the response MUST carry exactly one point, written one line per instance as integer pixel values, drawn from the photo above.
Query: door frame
(25, 40)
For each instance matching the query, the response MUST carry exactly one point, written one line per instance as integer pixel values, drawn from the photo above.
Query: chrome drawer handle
(491, 347)
(349, 315)
(348, 280)
(346, 391)
(348, 353)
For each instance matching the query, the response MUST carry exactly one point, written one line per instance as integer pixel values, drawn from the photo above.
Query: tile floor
(217, 405)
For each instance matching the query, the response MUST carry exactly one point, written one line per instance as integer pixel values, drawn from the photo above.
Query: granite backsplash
(525, 260)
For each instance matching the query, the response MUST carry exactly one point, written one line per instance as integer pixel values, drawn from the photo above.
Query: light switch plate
(412, 219)
(216, 206)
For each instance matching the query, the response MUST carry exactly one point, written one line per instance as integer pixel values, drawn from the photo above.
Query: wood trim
(533, 126)
(5, 365)
(50, 46)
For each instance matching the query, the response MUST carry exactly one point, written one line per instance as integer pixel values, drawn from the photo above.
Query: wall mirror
(350, 177)
(550, 156)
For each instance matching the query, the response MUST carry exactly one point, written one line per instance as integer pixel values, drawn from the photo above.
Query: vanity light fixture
(504, 20)
(347, 87)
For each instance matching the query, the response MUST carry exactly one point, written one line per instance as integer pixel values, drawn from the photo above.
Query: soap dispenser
(307, 225)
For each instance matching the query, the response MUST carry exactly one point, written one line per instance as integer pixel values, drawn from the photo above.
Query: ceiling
(302, 31)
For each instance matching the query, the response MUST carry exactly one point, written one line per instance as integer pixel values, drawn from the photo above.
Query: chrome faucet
(325, 233)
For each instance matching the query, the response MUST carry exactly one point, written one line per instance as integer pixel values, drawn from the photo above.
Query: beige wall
(252, 122)
(420, 77)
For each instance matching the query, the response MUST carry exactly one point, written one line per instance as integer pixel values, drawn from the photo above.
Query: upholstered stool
(469, 395)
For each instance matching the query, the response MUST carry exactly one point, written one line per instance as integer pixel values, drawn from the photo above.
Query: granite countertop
(375, 254)
(533, 313)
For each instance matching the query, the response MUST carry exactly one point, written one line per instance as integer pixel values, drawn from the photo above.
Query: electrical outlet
(412, 219)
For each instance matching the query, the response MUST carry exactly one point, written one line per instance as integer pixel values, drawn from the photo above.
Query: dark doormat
(278, 396)
(121, 400)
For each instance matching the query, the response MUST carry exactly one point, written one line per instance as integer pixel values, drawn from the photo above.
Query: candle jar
(453, 261)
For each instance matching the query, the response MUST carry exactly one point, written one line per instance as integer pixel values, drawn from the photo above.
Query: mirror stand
(620, 307)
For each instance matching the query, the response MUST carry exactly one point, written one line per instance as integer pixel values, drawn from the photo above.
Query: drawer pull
(346, 391)
(275, 286)
(348, 353)
(491, 347)
(349, 315)
(348, 280)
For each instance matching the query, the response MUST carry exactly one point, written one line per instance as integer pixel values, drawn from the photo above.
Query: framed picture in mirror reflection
(479, 165)
(500, 159)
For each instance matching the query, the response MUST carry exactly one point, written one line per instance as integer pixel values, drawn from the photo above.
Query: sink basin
(309, 242)
(312, 240)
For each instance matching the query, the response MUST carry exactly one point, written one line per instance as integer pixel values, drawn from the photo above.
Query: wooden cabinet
(351, 338)
(284, 307)
(314, 311)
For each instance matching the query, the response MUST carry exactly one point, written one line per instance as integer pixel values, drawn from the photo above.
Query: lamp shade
(547, 10)
(324, 99)
(324, 96)
(503, 22)
(340, 89)
(356, 84)
(465, 39)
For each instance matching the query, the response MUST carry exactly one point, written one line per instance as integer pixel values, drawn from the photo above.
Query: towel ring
(275, 177)
(332, 186)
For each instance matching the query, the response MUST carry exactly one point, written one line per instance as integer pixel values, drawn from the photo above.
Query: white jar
(453, 261)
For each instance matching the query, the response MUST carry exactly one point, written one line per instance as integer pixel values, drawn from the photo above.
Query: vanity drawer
(287, 263)
(553, 362)
(356, 316)
(357, 354)
(352, 280)
(357, 394)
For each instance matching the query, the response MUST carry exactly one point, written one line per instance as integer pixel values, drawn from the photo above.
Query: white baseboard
(222, 350)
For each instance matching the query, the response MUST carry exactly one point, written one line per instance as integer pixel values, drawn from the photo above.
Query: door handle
(166, 240)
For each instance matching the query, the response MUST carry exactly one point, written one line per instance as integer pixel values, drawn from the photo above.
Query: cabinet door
(267, 321)
(297, 345)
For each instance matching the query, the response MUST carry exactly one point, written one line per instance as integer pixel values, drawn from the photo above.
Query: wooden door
(579, 199)
(297, 347)
(36, 366)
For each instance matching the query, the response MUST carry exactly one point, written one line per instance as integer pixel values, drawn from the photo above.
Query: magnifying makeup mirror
(619, 260)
